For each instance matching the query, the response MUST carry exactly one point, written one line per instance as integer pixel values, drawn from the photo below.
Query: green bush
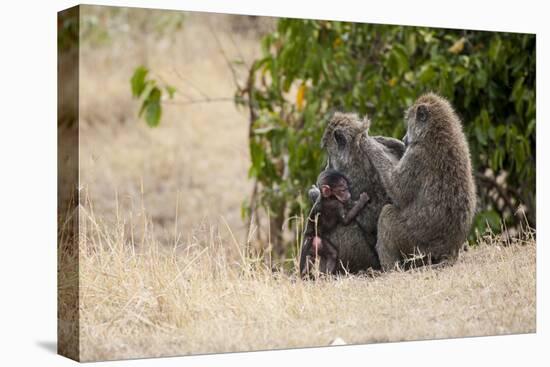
(308, 69)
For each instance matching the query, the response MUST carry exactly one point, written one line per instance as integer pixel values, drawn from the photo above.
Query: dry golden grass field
(212, 296)
(164, 265)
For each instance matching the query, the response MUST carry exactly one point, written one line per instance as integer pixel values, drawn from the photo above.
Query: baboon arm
(395, 146)
(390, 174)
(347, 218)
(405, 183)
(313, 193)
(380, 161)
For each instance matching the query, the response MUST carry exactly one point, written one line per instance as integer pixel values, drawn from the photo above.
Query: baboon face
(340, 139)
(417, 118)
(429, 113)
(334, 185)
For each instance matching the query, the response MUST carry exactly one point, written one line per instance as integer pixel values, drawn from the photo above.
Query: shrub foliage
(310, 68)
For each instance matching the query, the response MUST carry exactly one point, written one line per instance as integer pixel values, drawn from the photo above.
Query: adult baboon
(341, 141)
(431, 189)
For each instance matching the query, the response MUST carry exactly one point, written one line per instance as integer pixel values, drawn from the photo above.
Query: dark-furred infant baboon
(333, 206)
(431, 189)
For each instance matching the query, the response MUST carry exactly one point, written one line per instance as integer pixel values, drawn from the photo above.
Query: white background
(28, 181)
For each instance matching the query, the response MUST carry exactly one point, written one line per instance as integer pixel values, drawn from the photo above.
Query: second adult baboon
(431, 189)
(341, 141)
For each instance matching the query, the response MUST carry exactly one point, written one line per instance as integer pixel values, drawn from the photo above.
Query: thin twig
(227, 61)
(238, 50)
(252, 208)
(179, 91)
(252, 118)
(198, 101)
(191, 84)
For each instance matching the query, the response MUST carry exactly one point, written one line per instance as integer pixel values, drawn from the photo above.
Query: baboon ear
(422, 113)
(340, 139)
(365, 123)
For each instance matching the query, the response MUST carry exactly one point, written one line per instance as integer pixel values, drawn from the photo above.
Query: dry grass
(209, 297)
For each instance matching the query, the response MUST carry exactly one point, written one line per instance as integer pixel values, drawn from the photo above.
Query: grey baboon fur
(431, 189)
(341, 140)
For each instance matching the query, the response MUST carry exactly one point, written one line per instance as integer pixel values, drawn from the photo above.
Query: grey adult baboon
(341, 141)
(431, 189)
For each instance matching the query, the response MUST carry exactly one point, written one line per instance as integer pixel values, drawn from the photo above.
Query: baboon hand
(364, 197)
(313, 193)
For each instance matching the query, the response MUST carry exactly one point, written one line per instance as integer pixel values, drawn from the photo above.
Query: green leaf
(480, 135)
(494, 49)
(153, 114)
(517, 90)
(170, 90)
(402, 58)
(530, 127)
(153, 109)
(411, 43)
(488, 219)
(138, 81)
(427, 73)
(145, 95)
(481, 78)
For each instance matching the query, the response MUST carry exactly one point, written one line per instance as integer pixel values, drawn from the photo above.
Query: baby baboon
(342, 139)
(431, 189)
(332, 207)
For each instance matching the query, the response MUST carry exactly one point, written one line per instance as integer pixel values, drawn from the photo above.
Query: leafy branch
(150, 94)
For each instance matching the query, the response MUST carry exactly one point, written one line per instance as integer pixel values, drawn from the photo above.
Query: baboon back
(431, 189)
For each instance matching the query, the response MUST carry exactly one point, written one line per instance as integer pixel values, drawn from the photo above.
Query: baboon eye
(340, 139)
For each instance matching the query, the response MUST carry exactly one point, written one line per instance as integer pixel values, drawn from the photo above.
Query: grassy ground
(164, 269)
(194, 299)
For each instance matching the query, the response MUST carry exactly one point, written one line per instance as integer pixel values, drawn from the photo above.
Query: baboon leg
(330, 254)
(331, 265)
(389, 258)
(449, 257)
(323, 264)
(387, 245)
(305, 256)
